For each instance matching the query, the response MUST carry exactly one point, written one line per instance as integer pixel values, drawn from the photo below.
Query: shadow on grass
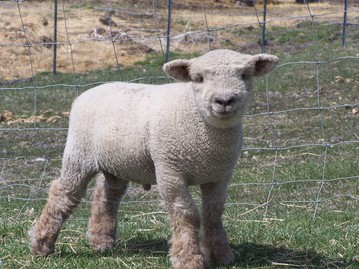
(151, 247)
(250, 255)
(247, 255)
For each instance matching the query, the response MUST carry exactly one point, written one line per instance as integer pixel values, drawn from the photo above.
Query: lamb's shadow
(151, 247)
(247, 255)
(251, 255)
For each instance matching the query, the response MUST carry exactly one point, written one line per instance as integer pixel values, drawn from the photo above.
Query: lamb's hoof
(101, 243)
(189, 262)
(222, 256)
(39, 247)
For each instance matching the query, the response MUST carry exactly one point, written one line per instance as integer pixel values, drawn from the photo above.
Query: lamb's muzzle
(224, 106)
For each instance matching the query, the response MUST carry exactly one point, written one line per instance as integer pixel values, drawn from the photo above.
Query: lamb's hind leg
(64, 195)
(215, 245)
(105, 202)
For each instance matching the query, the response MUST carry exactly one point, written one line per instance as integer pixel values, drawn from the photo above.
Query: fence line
(262, 23)
(269, 115)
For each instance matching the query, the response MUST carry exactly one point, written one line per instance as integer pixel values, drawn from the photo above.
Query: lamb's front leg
(215, 246)
(185, 223)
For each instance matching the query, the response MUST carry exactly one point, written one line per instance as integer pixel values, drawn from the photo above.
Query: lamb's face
(221, 82)
(221, 87)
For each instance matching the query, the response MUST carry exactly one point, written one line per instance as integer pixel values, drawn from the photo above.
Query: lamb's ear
(178, 69)
(264, 63)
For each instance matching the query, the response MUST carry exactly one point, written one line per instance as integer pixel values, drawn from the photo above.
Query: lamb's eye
(198, 78)
(244, 76)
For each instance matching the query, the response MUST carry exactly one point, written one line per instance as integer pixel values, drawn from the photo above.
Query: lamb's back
(112, 120)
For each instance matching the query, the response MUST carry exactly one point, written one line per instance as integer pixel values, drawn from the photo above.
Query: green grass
(324, 33)
(295, 207)
(258, 243)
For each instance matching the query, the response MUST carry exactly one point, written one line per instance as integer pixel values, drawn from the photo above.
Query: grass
(293, 201)
(294, 241)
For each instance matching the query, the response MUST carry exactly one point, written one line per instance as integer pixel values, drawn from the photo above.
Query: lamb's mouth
(222, 114)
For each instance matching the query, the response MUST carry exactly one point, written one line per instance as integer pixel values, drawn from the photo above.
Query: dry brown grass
(86, 54)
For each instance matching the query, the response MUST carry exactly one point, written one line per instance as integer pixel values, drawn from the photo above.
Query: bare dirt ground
(89, 38)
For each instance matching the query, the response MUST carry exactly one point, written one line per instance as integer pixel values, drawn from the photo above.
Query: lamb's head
(221, 81)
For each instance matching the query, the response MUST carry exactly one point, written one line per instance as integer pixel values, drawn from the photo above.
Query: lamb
(173, 135)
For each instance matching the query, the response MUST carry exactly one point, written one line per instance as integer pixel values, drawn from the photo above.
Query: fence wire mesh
(301, 132)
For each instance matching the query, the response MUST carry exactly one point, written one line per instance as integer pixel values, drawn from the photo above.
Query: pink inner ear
(178, 69)
(260, 66)
(182, 73)
(264, 64)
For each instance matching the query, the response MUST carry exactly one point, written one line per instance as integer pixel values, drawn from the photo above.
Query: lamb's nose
(224, 102)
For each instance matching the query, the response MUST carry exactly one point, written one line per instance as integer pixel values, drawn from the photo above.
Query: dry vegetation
(136, 28)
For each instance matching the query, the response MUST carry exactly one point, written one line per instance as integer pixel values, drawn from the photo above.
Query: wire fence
(302, 131)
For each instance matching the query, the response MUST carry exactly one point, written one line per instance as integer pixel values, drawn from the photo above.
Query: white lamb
(172, 135)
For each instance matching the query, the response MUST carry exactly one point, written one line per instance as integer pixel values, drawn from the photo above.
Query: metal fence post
(263, 26)
(345, 22)
(55, 38)
(168, 31)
